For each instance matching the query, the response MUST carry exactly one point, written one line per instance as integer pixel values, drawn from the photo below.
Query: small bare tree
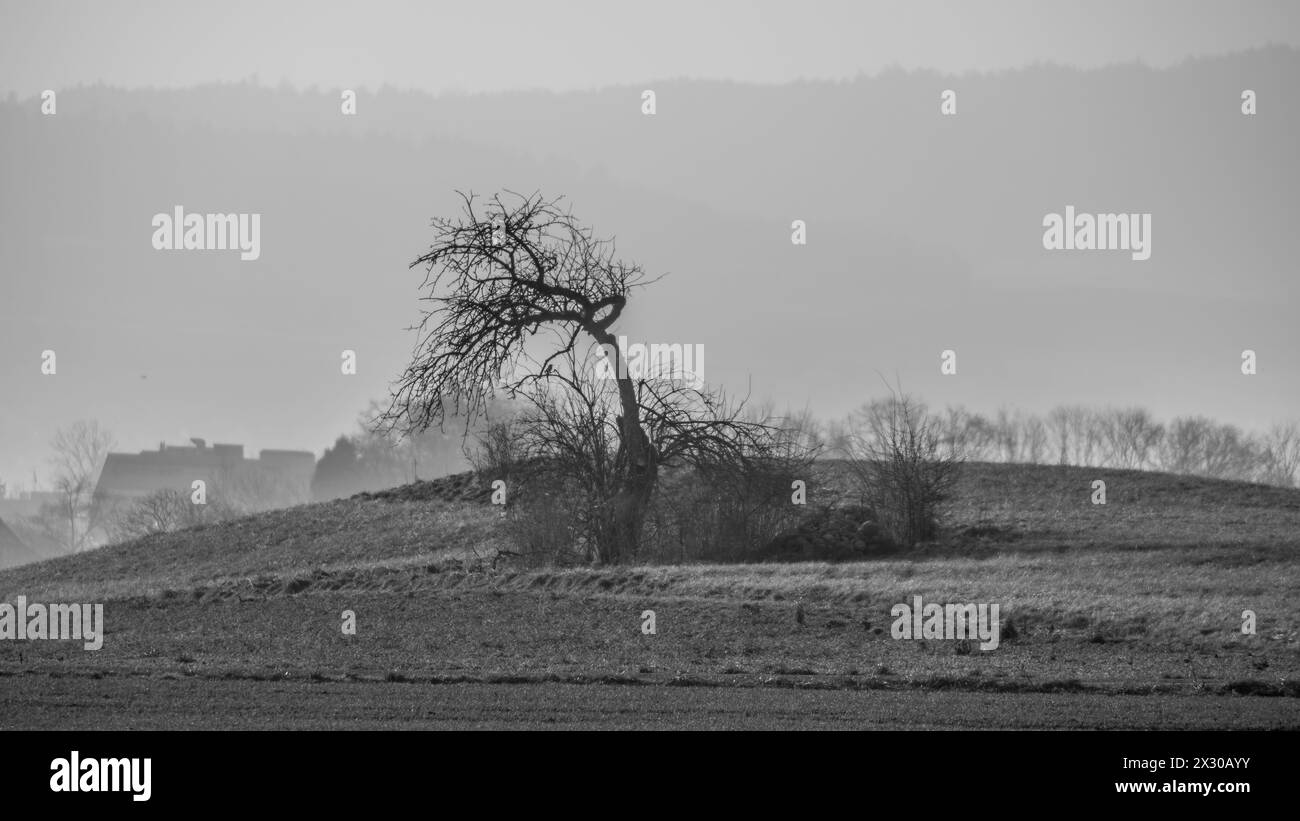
(1130, 435)
(1183, 445)
(1060, 429)
(896, 452)
(1228, 454)
(500, 448)
(1007, 428)
(1281, 450)
(165, 511)
(1034, 439)
(79, 453)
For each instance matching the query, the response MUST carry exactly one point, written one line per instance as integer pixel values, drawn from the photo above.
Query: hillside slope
(996, 509)
(1140, 598)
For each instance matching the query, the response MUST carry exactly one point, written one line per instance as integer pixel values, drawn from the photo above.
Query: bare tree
(512, 268)
(905, 472)
(501, 446)
(1033, 439)
(961, 431)
(79, 453)
(1089, 436)
(798, 434)
(1182, 448)
(1130, 436)
(952, 426)
(163, 512)
(1060, 431)
(573, 427)
(1228, 454)
(1007, 431)
(1281, 451)
(981, 438)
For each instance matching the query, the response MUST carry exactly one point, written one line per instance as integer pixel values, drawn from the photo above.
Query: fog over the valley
(924, 231)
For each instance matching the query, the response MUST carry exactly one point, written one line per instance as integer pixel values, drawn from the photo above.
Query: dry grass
(347, 534)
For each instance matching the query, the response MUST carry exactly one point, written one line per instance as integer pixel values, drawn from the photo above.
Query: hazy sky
(564, 45)
(164, 347)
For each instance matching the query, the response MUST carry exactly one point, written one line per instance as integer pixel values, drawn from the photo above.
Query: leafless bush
(500, 448)
(163, 512)
(897, 454)
(726, 472)
(542, 528)
(725, 512)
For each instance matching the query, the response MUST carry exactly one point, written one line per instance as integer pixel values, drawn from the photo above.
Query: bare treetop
(504, 269)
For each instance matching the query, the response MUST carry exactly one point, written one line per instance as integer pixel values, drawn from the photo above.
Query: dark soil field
(1122, 616)
(193, 703)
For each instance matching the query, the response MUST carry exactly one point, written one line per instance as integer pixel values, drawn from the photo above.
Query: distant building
(278, 478)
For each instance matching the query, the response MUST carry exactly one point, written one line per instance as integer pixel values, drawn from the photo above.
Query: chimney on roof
(198, 443)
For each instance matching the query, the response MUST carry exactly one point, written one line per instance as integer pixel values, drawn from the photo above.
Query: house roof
(136, 475)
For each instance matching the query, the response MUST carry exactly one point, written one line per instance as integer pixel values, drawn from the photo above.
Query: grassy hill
(997, 510)
(1143, 595)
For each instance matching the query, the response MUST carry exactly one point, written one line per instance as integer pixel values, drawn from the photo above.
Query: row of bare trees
(1129, 438)
(906, 459)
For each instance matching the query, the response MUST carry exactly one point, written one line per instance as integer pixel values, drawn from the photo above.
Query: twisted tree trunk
(637, 469)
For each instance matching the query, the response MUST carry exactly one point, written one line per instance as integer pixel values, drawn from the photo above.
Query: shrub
(902, 467)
